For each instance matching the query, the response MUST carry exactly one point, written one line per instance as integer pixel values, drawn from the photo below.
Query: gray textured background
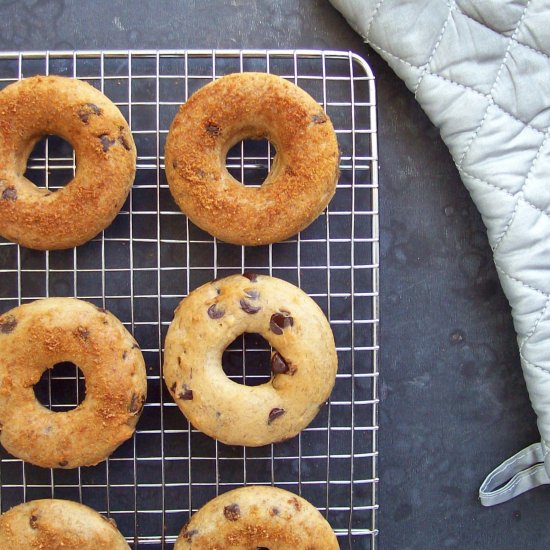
(453, 402)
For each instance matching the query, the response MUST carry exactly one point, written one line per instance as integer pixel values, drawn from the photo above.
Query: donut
(55, 524)
(257, 517)
(105, 154)
(37, 336)
(303, 175)
(303, 362)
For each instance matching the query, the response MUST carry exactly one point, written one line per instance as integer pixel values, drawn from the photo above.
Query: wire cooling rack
(152, 256)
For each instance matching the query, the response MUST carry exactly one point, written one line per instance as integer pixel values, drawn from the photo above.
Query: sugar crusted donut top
(106, 155)
(252, 105)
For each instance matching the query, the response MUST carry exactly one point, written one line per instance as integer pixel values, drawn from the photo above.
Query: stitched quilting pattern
(481, 71)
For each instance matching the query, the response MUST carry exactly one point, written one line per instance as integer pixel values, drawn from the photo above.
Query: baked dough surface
(54, 524)
(303, 364)
(37, 336)
(105, 155)
(303, 175)
(257, 517)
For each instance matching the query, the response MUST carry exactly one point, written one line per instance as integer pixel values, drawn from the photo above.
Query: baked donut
(105, 153)
(303, 175)
(303, 363)
(55, 524)
(257, 517)
(37, 336)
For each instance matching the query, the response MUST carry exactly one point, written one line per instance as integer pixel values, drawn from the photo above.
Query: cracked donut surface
(35, 107)
(41, 334)
(257, 517)
(303, 175)
(303, 362)
(56, 524)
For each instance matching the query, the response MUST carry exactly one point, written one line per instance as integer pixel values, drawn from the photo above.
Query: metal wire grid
(152, 256)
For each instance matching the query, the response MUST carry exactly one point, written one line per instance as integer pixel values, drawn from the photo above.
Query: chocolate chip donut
(53, 524)
(257, 518)
(303, 363)
(303, 175)
(37, 336)
(105, 153)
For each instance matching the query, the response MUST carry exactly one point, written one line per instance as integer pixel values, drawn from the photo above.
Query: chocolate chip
(213, 129)
(247, 307)
(278, 364)
(214, 312)
(179, 361)
(135, 345)
(319, 119)
(63, 463)
(252, 277)
(9, 194)
(106, 142)
(252, 294)
(32, 522)
(83, 333)
(275, 511)
(136, 403)
(186, 394)
(101, 309)
(232, 512)
(279, 321)
(174, 163)
(188, 535)
(124, 142)
(87, 110)
(124, 355)
(173, 386)
(8, 324)
(274, 414)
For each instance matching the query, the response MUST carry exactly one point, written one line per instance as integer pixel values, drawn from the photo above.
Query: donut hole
(250, 160)
(247, 360)
(61, 388)
(51, 164)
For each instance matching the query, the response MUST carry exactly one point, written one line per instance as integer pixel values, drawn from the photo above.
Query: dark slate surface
(453, 402)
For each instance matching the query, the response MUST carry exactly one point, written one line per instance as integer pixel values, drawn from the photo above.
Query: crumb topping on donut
(303, 176)
(106, 161)
(56, 330)
(54, 524)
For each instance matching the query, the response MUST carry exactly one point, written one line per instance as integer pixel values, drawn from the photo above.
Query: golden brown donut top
(38, 335)
(105, 153)
(302, 179)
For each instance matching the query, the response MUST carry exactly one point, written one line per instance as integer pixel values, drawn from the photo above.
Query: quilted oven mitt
(481, 71)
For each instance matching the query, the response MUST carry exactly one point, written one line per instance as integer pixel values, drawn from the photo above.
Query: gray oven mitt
(481, 71)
